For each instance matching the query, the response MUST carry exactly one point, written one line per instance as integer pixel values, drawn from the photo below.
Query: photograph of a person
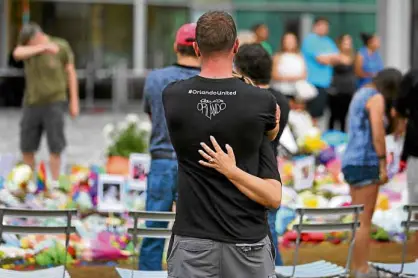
(111, 193)
(139, 165)
(393, 154)
(139, 172)
(304, 173)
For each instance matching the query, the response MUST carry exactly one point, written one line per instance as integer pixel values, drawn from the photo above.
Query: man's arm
(72, 80)
(24, 52)
(328, 59)
(315, 51)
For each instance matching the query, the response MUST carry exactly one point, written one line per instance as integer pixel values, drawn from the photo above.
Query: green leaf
(129, 140)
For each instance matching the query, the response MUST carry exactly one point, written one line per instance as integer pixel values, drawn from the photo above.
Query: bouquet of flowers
(128, 136)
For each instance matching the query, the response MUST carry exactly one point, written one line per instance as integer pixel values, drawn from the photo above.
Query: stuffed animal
(19, 182)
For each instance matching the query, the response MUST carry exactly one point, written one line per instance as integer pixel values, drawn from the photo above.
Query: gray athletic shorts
(412, 179)
(40, 118)
(203, 258)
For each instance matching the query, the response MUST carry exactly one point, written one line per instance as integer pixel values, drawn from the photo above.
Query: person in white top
(288, 66)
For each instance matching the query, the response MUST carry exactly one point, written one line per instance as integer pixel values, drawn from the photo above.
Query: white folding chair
(147, 232)
(60, 271)
(321, 269)
(403, 269)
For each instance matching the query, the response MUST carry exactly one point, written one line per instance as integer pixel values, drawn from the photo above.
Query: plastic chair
(147, 232)
(54, 272)
(403, 269)
(321, 268)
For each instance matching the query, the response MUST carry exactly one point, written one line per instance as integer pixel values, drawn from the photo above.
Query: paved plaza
(85, 138)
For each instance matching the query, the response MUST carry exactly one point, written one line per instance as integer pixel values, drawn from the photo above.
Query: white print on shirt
(211, 108)
(213, 93)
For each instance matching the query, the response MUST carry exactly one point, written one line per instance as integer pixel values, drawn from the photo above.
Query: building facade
(141, 32)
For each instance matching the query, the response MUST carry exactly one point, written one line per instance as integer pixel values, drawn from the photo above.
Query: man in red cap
(162, 178)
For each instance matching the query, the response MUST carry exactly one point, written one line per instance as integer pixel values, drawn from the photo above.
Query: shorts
(359, 176)
(316, 106)
(412, 179)
(194, 257)
(47, 118)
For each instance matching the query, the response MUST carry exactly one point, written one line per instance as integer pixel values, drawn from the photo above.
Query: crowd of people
(334, 68)
(217, 116)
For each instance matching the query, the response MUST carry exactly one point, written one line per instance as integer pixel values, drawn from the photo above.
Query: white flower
(122, 126)
(145, 126)
(108, 130)
(132, 119)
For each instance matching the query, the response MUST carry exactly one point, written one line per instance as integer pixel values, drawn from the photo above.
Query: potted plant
(126, 137)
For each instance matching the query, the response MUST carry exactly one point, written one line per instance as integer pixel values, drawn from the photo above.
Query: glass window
(102, 33)
(163, 23)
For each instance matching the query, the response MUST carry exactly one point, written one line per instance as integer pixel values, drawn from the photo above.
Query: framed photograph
(394, 148)
(139, 165)
(111, 193)
(303, 172)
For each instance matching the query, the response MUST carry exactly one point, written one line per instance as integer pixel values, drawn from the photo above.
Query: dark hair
(253, 61)
(282, 41)
(366, 37)
(215, 32)
(27, 32)
(257, 26)
(340, 40)
(186, 50)
(387, 82)
(320, 19)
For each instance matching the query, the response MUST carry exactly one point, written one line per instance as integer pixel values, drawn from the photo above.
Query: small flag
(41, 178)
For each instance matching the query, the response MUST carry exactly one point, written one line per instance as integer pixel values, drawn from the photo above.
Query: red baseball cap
(186, 34)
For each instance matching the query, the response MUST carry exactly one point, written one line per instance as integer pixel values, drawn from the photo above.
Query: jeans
(272, 224)
(161, 193)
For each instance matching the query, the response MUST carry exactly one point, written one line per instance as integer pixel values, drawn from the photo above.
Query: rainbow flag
(41, 178)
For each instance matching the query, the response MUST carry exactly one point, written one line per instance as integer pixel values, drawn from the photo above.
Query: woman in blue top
(368, 60)
(364, 161)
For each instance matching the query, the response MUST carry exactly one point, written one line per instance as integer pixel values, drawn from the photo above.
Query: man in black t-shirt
(221, 227)
(253, 61)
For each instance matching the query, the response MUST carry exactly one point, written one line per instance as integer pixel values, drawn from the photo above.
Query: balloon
(326, 155)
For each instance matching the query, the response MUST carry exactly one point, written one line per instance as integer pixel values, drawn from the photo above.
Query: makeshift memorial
(127, 137)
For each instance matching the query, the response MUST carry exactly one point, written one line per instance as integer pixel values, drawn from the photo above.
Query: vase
(117, 165)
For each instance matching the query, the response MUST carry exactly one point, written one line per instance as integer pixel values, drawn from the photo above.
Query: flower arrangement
(128, 136)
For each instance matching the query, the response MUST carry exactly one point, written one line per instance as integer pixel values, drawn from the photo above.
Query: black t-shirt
(283, 103)
(209, 205)
(407, 106)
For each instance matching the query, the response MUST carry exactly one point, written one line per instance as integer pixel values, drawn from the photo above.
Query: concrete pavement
(84, 135)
